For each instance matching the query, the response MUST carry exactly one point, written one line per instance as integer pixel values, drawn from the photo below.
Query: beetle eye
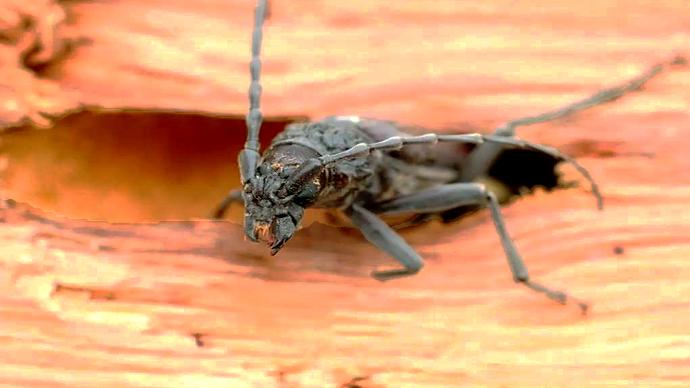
(306, 196)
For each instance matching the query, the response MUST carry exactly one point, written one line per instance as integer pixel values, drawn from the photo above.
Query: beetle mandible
(367, 168)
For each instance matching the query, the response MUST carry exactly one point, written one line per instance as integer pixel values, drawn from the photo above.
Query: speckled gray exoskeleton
(368, 169)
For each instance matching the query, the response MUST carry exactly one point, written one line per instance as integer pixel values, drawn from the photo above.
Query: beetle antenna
(249, 156)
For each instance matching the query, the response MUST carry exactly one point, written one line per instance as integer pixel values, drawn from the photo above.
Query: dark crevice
(525, 169)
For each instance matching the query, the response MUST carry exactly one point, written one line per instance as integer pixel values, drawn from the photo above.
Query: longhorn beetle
(369, 168)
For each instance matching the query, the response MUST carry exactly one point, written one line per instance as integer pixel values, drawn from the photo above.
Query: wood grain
(189, 303)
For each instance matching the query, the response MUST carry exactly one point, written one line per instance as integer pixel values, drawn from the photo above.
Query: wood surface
(188, 302)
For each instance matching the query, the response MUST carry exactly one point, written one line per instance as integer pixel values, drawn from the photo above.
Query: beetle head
(271, 216)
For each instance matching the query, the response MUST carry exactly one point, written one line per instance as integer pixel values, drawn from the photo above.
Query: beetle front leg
(458, 194)
(234, 196)
(385, 238)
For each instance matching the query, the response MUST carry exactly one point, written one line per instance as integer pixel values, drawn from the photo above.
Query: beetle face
(267, 217)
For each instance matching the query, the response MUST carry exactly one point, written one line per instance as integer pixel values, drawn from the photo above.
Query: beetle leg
(234, 196)
(385, 238)
(457, 194)
(482, 157)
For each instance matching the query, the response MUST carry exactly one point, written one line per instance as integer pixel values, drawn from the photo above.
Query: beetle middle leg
(385, 238)
(458, 194)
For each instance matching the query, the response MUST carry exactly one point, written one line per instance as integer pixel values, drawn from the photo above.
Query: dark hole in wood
(525, 169)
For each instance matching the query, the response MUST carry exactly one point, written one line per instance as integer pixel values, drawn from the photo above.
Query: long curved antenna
(313, 167)
(479, 161)
(249, 157)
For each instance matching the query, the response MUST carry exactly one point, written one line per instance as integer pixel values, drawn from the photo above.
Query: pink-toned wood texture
(190, 303)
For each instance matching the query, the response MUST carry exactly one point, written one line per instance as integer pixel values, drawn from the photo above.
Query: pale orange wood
(190, 303)
(31, 36)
